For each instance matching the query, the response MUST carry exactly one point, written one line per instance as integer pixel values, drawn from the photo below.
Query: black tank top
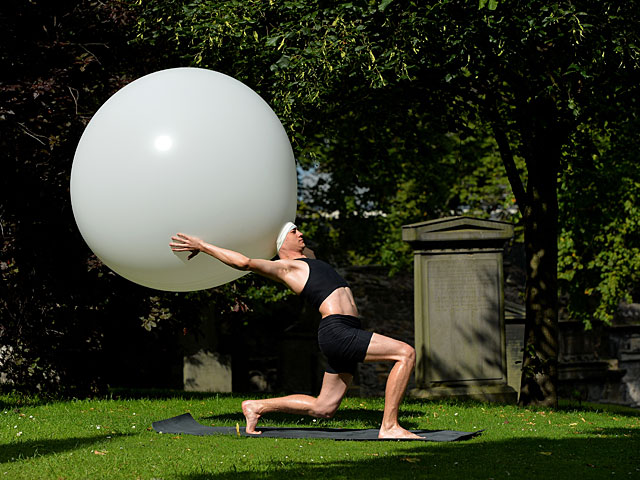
(322, 281)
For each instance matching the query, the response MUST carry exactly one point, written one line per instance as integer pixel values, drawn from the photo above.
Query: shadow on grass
(369, 418)
(40, 447)
(569, 406)
(365, 418)
(607, 451)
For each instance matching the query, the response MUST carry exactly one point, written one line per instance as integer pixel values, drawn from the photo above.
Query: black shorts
(343, 342)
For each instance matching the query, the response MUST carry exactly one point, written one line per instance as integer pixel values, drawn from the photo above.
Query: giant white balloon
(182, 150)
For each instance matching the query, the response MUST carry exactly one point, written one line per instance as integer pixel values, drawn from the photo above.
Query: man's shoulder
(289, 262)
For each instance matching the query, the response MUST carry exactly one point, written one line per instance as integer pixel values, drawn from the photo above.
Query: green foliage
(599, 242)
(370, 91)
(378, 142)
(296, 54)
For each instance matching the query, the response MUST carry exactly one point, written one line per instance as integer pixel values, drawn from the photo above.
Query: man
(340, 337)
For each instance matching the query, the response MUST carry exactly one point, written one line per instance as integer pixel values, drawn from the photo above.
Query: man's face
(294, 240)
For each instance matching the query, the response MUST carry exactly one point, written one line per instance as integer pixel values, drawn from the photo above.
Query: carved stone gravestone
(459, 308)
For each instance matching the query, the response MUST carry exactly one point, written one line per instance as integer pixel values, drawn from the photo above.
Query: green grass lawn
(112, 438)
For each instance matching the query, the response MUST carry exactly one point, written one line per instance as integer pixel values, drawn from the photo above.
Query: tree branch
(505, 150)
(510, 165)
(32, 134)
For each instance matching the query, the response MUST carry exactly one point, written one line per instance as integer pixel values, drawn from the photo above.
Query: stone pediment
(455, 230)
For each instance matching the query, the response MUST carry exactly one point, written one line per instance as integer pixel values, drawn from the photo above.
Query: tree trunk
(542, 149)
(540, 365)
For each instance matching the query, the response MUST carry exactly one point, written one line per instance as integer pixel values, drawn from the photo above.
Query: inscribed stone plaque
(463, 310)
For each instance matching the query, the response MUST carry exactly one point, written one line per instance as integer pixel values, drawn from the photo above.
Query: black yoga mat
(186, 424)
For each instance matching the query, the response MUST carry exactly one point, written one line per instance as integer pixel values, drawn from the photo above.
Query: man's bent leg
(384, 348)
(334, 387)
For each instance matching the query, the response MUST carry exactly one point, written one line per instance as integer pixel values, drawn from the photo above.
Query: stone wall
(602, 364)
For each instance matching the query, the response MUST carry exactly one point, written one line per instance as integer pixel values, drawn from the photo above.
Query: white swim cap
(283, 234)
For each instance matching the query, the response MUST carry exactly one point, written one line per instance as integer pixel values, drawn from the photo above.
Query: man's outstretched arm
(187, 243)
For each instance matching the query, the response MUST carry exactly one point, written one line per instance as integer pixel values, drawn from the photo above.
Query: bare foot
(249, 408)
(396, 432)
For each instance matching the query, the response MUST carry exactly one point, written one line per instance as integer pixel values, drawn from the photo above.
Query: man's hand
(186, 243)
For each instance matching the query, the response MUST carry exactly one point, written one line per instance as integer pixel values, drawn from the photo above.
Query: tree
(536, 74)
(58, 61)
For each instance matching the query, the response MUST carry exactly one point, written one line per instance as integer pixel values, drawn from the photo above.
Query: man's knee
(408, 354)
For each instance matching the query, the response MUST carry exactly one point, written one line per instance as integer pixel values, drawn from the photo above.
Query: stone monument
(205, 369)
(459, 308)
